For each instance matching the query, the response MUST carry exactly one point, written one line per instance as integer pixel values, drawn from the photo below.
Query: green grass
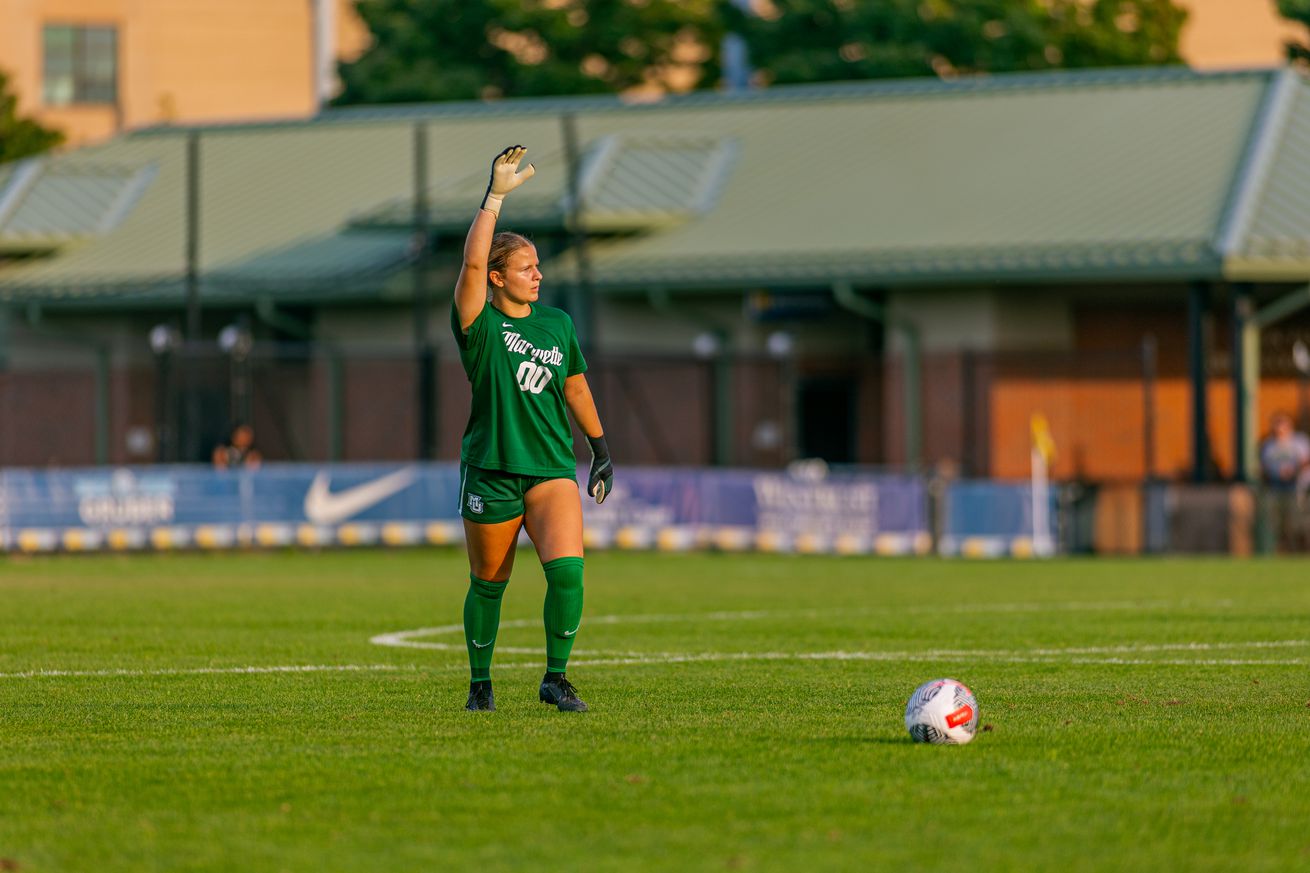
(745, 763)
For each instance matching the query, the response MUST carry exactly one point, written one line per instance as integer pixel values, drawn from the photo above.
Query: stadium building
(95, 68)
(879, 273)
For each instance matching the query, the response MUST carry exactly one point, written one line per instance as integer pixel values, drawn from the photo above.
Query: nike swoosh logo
(506, 324)
(570, 633)
(324, 507)
(478, 645)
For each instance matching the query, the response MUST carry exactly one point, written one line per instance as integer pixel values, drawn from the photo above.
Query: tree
(470, 49)
(1298, 11)
(825, 40)
(21, 137)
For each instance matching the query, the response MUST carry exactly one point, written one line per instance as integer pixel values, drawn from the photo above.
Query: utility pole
(191, 347)
(581, 304)
(424, 353)
(1198, 303)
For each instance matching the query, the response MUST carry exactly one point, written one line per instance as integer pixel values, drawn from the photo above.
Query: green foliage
(1298, 11)
(21, 137)
(826, 40)
(1146, 715)
(484, 49)
(470, 49)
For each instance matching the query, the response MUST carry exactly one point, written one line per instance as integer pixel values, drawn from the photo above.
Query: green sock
(481, 621)
(563, 611)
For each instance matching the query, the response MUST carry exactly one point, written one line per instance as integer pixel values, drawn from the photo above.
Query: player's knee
(488, 589)
(564, 573)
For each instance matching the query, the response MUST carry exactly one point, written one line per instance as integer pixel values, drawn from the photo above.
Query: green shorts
(493, 496)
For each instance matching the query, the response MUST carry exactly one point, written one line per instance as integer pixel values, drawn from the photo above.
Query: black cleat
(557, 690)
(480, 698)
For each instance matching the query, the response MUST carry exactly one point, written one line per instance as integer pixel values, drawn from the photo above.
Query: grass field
(746, 715)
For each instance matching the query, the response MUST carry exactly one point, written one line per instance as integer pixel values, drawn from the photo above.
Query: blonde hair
(503, 245)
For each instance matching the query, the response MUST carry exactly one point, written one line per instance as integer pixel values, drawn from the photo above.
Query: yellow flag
(1042, 439)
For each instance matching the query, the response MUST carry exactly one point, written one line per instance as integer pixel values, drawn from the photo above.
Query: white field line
(217, 671)
(915, 657)
(668, 658)
(1112, 655)
(936, 609)
(406, 638)
(1077, 655)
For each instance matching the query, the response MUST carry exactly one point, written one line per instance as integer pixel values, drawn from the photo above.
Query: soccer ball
(942, 711)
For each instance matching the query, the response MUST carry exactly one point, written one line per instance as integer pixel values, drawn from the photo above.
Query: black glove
(601, 480)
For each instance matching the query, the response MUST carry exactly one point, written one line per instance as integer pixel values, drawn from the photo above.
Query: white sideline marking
(665, 658)
(213, 671)
(914, 657)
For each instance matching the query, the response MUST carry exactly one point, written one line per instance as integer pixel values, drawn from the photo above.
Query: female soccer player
(516, 463)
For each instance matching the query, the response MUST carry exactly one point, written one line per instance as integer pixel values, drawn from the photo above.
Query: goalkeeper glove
(601, 480)
(505, 177)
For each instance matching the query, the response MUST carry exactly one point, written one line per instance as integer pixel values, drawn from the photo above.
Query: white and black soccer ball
(942, 711)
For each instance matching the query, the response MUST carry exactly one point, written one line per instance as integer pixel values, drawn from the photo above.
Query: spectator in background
(1284, 454)
(239, 450)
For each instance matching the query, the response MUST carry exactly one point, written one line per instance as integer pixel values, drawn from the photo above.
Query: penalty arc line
(1115, 654)
(1070, 655)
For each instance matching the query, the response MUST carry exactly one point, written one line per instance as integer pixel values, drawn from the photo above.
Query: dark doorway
(827, 418)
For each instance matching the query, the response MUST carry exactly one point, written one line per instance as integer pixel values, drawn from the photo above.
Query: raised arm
(577, 396)
(471, 289)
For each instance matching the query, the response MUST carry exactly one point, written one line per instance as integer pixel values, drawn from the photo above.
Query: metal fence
(320, 402)
(1113, 416)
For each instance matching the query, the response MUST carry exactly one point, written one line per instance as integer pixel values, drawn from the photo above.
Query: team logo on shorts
(475, 504)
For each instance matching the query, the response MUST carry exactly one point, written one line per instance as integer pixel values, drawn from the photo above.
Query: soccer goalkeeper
(516, 462)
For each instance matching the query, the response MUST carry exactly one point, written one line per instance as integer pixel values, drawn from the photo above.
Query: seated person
(239, 451)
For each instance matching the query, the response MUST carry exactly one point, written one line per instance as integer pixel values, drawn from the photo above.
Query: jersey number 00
(532, 377)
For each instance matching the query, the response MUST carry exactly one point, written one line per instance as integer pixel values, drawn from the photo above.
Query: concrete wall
(1027, 318)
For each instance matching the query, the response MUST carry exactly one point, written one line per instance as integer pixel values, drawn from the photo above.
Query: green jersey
(518, 421)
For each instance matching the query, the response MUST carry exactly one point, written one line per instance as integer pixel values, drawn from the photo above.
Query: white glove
(505, 177)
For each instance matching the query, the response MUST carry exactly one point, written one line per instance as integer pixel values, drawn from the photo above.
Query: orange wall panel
(1099, 425)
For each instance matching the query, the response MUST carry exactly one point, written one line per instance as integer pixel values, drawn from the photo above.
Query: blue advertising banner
(182, 506)
(360, 504)
(984, 519)
(133, 496)
(740, 509)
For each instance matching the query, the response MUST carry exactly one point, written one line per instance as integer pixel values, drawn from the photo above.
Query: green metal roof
(44, 205)
(1121, 174)
(451, 199)
(272, 209)
(627, 184)
(911, 88)
(1273, 239)
(645, 181)
(1081, 180)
